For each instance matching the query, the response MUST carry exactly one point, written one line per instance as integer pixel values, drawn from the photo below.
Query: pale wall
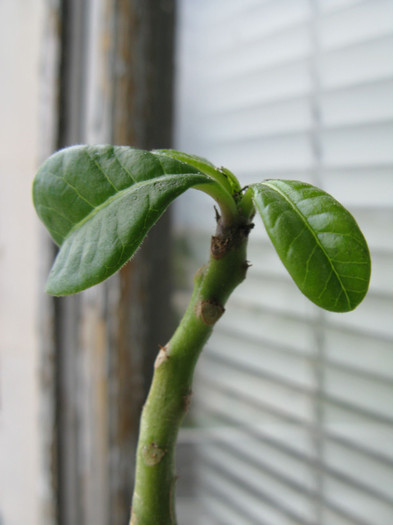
(20, 51)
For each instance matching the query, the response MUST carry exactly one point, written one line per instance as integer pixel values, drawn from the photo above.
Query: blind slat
(295, 90)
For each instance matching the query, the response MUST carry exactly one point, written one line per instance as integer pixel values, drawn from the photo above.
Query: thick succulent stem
(170, 393)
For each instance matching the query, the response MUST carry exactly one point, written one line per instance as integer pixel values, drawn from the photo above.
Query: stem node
(209, 312)
(219, 246)
(153, 454)
(162, 356)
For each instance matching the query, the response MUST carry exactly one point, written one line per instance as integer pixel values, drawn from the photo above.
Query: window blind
(293, 405)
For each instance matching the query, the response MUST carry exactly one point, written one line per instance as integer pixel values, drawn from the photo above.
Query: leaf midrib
(308, 226)
(120, 194)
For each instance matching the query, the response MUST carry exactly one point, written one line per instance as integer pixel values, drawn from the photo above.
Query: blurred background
(292, 415)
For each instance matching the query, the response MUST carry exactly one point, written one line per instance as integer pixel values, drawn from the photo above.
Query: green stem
(170, 393)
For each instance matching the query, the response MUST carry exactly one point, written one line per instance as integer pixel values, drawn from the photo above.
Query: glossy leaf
(99, 202)
(318, 241)
(225, 177)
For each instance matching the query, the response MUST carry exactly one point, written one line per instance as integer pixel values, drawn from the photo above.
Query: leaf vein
(99, 167)
(305, 221)
(308, 264)
(63, 178)
(56, 212)
(326, 286)
(123, 167)
(295, 239)
(77, 192)
(337, 261)
(160, 163)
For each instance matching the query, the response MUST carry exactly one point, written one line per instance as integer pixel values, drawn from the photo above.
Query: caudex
(99, 202)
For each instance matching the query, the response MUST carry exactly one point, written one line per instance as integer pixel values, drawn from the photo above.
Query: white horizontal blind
(294, 405)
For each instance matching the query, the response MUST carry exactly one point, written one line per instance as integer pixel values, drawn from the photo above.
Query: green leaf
(99, 202)
(318, 241)
(225, 177)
